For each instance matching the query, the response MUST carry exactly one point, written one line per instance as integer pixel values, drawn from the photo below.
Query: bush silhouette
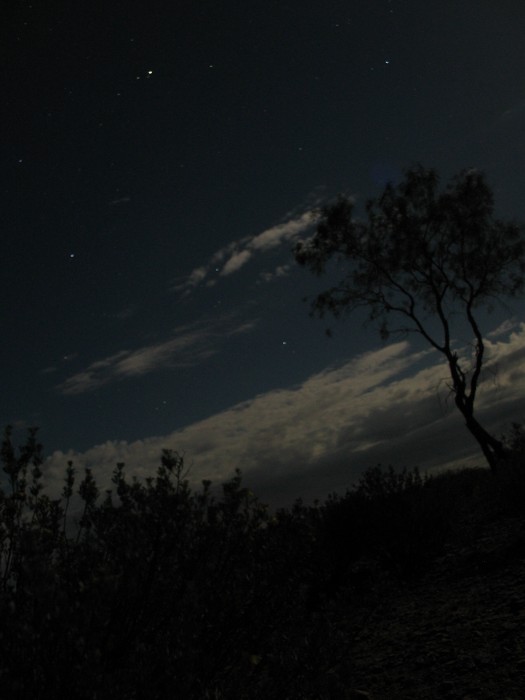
(163, 589)
(398, 519)
(156, 589)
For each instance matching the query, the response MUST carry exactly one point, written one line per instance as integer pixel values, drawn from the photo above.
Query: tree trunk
(491, 447)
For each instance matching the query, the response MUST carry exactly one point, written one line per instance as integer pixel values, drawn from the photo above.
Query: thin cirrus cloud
(390, 405)
(235, 262)
(191, 345)
(233, 256)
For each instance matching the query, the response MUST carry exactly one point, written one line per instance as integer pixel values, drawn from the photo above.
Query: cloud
(236, 261)
(504, 328)
(391, 405)
(282, 233)
(191, 345)
(280, 271)
(236, 254)
(196, 276)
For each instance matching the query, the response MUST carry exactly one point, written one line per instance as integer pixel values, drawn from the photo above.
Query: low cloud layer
(391, 405)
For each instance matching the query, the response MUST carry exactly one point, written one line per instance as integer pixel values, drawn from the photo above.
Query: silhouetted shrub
(394, 517)
(159, 590)
(510, 477)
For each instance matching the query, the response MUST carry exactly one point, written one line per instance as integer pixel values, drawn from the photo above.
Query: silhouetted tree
(423, 256)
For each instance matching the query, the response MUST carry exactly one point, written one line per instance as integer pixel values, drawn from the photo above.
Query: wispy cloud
(279, 271)
(504, 328)
(286, 231)
(190, 345)
(236, 261)
(233, 256)
(391, 405)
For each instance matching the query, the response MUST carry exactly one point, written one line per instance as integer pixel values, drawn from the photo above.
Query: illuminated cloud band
(391, 405)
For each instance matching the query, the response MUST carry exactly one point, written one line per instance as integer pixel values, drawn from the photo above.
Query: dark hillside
(457, 629)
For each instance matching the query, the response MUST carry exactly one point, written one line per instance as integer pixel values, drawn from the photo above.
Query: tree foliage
(423, 256)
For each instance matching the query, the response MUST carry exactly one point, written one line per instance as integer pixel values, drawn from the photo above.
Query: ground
(458, 631)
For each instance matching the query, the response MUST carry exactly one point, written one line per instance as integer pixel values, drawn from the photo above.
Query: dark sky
(159, 161)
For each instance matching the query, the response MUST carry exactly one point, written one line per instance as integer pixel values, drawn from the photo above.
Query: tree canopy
(422, 255)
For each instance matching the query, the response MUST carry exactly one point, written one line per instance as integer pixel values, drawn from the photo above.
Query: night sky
(160, 160)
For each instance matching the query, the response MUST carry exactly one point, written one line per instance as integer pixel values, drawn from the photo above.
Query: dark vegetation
(157, 591)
